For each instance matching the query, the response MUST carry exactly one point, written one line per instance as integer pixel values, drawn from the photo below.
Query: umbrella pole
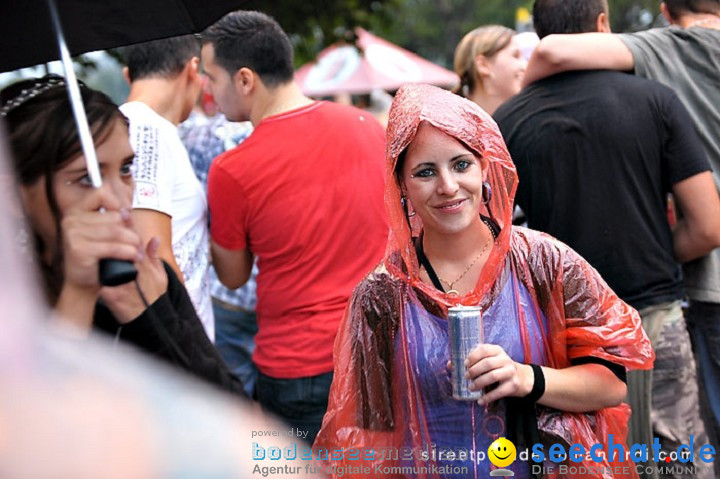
(112, 272)
(76, 103)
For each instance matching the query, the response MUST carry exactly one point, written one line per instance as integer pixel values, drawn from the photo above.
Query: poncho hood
(472, 126)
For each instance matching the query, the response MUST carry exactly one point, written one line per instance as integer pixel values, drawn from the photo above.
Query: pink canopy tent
(372, 63)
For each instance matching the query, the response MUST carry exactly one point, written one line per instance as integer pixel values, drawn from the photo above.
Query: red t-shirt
(305, 193)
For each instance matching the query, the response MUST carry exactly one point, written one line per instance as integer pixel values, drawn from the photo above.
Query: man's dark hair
(677, 8)
(164, 58)
(252, 40)
(567, 16)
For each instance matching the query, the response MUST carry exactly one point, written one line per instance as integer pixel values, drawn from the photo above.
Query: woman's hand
(89, 236)
(125, 301)
(489, 364)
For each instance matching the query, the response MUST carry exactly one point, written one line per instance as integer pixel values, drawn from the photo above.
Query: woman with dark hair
(557, 340)
(70, 235)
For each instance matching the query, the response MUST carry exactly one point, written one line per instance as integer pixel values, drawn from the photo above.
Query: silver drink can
(465, 325)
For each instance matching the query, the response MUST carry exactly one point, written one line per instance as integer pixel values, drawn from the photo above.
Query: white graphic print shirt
(165, 182)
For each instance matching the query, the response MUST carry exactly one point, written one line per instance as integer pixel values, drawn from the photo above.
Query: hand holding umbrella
(113, 272)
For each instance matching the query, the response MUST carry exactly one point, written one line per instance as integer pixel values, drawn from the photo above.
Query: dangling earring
(486, 192)
(403, 202)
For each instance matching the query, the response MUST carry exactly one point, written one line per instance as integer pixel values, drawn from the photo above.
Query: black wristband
(538, 388)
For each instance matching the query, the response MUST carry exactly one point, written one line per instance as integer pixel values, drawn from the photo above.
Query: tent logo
(334, 68)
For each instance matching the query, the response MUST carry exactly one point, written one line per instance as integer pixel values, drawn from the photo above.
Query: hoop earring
(486, 192)
(403, 202)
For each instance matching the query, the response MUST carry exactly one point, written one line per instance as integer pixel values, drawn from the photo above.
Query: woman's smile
(453, 206)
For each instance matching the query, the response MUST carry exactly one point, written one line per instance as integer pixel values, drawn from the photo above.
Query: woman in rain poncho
(449, 197)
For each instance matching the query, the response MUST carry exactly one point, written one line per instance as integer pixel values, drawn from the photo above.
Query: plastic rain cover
(391, 411)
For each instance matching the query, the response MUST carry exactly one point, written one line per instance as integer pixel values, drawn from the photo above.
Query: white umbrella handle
(113, 272)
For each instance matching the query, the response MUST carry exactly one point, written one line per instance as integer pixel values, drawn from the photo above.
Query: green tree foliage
(431, 28)
(634, 15)
(313, 25)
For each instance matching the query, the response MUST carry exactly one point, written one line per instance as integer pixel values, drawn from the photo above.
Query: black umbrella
(28, 37)
(32, 33)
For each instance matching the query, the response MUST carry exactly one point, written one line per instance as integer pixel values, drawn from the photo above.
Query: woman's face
(442, 179)
(507, 69)
(71, 183)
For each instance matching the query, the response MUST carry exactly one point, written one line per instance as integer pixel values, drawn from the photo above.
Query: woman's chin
(450, 228)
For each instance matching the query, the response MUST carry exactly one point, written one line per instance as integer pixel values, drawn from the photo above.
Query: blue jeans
(300, 402)
(235, 341)
(704, 325)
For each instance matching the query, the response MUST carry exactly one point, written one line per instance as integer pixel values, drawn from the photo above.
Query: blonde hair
(487, 41)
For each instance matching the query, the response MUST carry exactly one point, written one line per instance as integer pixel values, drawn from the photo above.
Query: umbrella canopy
(369, 64)
(28, 37)
(33, 33)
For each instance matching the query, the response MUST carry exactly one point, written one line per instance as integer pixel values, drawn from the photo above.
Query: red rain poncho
(391, 411)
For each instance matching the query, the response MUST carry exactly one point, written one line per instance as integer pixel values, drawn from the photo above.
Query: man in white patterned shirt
(169, 201)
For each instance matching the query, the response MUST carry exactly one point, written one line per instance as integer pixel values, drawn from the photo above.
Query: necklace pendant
(453, 292)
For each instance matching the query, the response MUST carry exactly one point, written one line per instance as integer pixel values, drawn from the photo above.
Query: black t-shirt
(596, 153)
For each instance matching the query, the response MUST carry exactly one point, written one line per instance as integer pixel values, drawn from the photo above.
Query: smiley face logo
(502, 452)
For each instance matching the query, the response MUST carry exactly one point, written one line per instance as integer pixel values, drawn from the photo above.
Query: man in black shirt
(597, 153)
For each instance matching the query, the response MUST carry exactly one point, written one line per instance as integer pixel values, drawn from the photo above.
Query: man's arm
(698, 232)
(582, 51)
(149, 223)
(233, 267)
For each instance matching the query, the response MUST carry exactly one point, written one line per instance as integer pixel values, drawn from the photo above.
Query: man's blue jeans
(301, 402)
(235, 341)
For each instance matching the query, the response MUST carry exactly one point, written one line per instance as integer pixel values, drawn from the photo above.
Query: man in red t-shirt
(304, 193)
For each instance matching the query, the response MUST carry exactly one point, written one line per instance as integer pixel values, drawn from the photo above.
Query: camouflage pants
(703, 320)
(665, 400)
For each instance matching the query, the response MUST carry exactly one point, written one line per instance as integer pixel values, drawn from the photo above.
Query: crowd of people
(300, 254)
